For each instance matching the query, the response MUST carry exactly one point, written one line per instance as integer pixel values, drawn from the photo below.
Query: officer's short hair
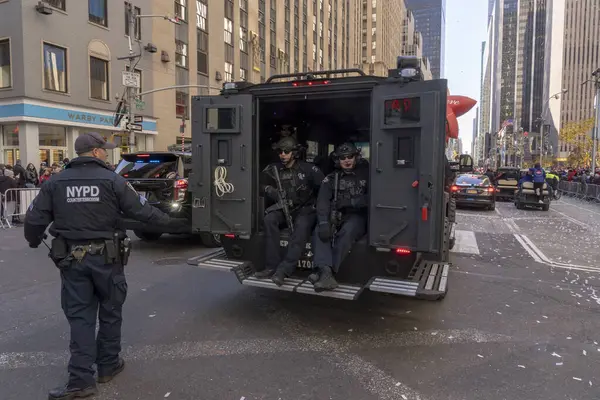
(90, 141)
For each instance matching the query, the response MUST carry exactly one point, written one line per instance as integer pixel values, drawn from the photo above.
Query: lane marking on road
(573, 220)
(541, 258)
(497, 211)
(466, 242)
(233, 347)
(571, 204)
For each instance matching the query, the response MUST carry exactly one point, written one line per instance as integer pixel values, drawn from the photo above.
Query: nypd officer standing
(341, 214)
(300, 183)
(84, 203)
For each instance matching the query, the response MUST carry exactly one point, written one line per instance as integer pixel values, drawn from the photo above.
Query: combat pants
(353, 228)
(93, 288)
(304, 222)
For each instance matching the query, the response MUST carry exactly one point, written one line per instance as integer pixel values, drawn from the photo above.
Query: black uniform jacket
(86, 202)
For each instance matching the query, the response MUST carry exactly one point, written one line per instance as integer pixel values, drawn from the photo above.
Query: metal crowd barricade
(15, 203)
(578, 190)
(2, 219)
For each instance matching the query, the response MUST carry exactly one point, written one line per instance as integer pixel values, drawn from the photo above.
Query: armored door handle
(243, 157)
(198, 164)
(377, 167)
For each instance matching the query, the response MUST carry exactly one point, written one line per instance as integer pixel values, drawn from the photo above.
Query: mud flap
(428, 281)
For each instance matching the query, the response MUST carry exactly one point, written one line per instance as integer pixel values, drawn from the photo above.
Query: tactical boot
(104, 378)
(68, 393)
(264, 274)
(278, 277)
(326, 280)
(314, 277)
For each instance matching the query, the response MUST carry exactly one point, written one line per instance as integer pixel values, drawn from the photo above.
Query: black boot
(326, 280)
(68, 393)
(314, 276)
(103, 377)
(278, 277)
(264, 274)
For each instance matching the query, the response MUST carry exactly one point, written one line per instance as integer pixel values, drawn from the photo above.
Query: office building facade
(574, 34)
(430, 17)
(60, 76)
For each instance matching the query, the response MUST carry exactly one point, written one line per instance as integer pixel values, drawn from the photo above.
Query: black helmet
(287, 143)
(346, 149)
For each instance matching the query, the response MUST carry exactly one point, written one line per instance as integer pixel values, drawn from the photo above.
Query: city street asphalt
(520, 322)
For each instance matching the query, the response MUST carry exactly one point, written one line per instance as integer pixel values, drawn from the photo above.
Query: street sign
(134, 127)
(131, 79)
(138, 119)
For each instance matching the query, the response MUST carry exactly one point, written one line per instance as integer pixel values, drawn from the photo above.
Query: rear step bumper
(428, 280)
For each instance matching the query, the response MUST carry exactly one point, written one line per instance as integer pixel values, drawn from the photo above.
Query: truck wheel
(546, 207)
(210, 240)
(148, 236)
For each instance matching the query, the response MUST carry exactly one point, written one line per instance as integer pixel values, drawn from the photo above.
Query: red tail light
(403, 252)
(230, 236)
(491, 190)
(180, 186)
(454, 188)
(310, 83)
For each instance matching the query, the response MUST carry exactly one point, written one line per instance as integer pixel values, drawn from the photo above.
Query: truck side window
(402, 111)
(221, 119)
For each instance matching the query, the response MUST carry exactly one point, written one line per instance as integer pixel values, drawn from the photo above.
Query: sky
(466, 29)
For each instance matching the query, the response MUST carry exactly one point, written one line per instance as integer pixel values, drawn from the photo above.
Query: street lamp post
(543, 120)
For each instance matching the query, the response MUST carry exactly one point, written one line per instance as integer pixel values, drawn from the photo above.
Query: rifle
(334, 216)
(282, 201)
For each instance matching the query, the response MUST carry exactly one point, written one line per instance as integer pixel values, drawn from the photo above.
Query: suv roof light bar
(313, 75)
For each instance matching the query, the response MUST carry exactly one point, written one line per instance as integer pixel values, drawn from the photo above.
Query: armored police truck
(399, 122)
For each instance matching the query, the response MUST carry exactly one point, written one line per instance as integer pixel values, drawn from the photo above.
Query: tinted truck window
(148, 166)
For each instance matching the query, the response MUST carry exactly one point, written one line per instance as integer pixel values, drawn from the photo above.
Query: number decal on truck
(305, 264)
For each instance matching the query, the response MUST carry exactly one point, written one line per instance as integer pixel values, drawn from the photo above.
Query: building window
(181, 9)
(52, 136)
(98, 78)
(202, 52)
(181, 104)
(137, 25)
(228, 72)
(5, 71)
(228, 25)
(243, 40)
(98, 12)
(181, 54)
(58, 4)
(10, 135)
(55, 68)
(242, 74)
(201, 14)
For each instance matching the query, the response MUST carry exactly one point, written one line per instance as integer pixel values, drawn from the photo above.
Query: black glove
(271, 193)
(34, 245)
(324, 232)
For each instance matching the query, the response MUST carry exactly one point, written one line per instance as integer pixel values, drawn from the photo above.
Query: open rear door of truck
(223, 156)
(406, 186)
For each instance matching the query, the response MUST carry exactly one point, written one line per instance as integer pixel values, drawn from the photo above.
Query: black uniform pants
(93, 288)
(304, 221)
(353, 228)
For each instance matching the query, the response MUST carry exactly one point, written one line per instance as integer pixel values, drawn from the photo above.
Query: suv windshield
(148, 166)
(472, 180)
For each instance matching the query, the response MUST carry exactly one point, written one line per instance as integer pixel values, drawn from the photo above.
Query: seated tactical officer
(300, 183)
(84, 203)
(343, 221)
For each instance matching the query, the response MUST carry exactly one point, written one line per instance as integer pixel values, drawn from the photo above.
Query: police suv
(399, 121)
